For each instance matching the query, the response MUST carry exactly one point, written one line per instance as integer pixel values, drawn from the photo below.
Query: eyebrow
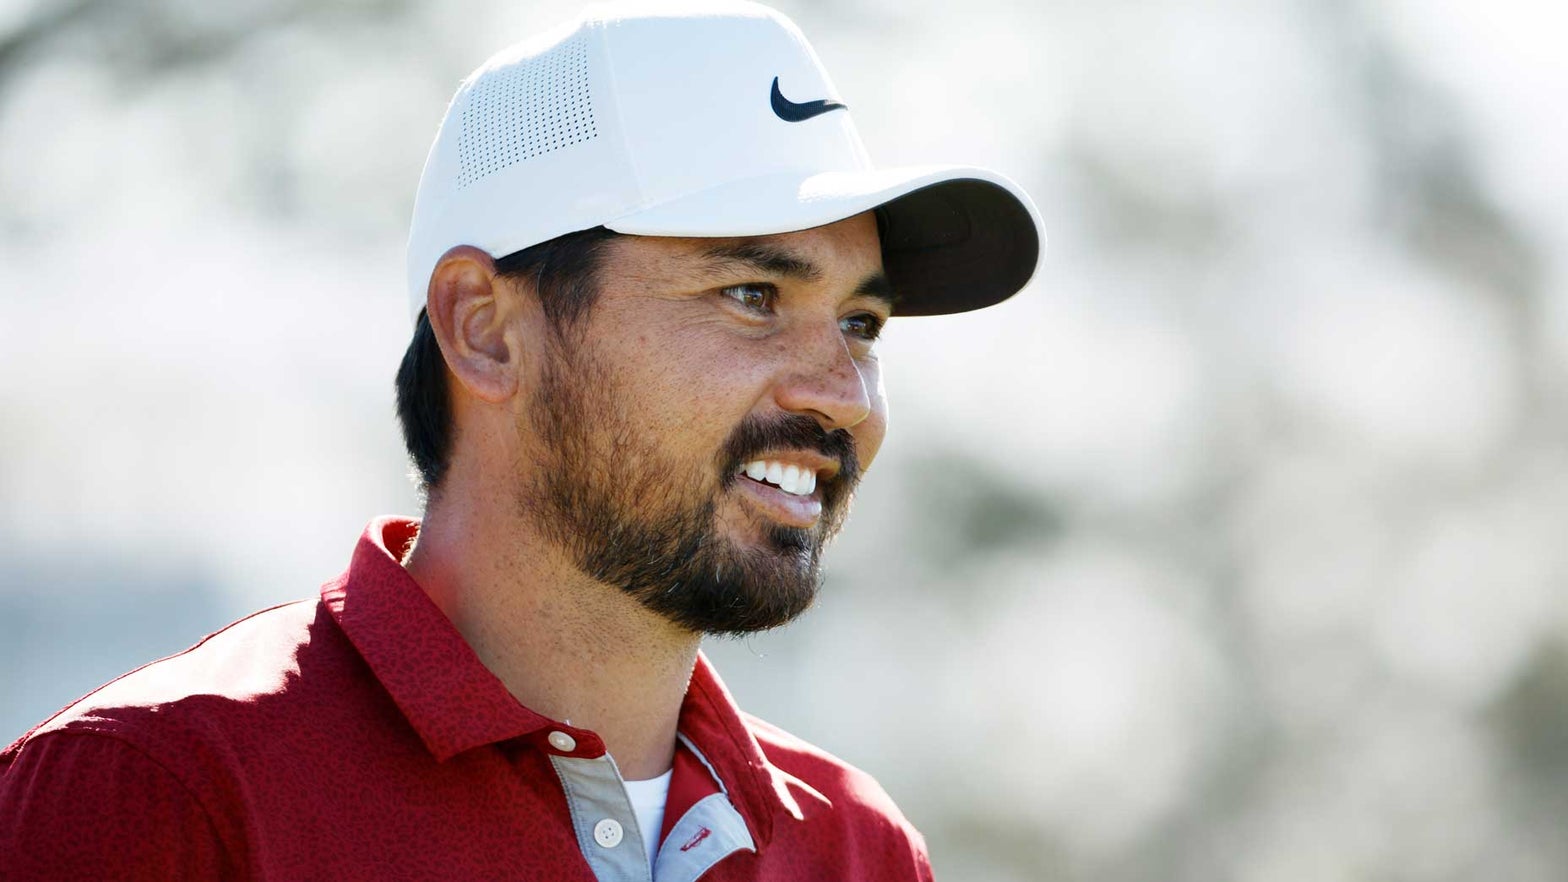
(878, 286)
(765, 258)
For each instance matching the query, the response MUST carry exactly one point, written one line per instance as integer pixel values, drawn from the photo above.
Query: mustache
(757, 435)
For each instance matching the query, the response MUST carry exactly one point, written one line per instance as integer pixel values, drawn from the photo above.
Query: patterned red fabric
(359, 737)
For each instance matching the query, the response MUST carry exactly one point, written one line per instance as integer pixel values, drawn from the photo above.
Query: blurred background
(1231, 550)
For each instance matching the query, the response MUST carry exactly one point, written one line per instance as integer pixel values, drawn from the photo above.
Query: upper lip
(825, 467)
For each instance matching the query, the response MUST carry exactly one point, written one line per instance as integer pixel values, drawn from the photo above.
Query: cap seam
(602, 31)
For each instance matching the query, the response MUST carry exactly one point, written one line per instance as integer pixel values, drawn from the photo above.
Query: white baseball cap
(699, 119)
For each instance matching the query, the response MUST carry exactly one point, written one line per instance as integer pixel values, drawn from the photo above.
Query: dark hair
(562, 271)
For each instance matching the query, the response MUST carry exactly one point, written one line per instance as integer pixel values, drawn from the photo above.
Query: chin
(743, 590)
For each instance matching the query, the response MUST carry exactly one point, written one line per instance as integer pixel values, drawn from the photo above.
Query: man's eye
(864, 325)
(753, 295)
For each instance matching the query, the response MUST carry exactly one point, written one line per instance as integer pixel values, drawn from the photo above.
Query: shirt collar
(760, 790)
(448, 695)
(455, 703)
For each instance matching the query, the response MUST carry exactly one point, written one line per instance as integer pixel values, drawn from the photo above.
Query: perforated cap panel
(525, 110)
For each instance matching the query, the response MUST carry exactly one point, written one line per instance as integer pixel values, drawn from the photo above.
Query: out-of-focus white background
(1229, 550)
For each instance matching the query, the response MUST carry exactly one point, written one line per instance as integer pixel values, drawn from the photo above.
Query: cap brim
(954, 238)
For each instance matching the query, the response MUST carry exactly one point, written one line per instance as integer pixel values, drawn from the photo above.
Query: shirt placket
(710, 831)
(612, 842)
(603, 818)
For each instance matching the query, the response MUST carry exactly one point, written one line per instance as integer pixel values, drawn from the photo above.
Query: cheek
(871, 431)
(698, 389)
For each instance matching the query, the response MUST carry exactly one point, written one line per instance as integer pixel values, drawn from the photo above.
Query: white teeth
(791, 479)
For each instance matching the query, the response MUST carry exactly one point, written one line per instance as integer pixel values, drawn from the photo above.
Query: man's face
(699, 436)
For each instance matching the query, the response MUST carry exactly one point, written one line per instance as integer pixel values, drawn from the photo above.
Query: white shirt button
(607, 833)
(562, 742)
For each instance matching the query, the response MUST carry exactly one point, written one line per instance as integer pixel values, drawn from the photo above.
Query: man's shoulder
(224, 680)
(134, 779)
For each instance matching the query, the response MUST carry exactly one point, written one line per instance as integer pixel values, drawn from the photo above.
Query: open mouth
(791, 479)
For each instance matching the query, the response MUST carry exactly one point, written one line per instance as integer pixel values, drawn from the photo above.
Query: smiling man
(648, 266)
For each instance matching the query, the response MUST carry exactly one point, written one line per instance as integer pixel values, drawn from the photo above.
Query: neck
(566, 646)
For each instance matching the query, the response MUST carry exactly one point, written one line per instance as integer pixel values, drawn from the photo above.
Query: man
(648, 265)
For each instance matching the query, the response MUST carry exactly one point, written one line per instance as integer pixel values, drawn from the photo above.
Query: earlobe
(469, 313)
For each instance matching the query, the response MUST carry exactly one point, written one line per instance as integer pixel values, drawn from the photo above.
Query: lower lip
(775, 504)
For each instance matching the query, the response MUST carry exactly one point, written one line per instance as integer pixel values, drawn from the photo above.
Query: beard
(631, 515)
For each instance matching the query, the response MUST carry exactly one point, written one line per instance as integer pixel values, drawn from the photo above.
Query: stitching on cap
(526, 110)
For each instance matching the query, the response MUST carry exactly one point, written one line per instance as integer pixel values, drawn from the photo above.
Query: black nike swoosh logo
(789, 111)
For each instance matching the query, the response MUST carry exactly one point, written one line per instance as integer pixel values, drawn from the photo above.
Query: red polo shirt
(360, 737)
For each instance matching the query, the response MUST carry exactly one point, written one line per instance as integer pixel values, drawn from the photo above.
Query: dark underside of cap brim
(957, 245)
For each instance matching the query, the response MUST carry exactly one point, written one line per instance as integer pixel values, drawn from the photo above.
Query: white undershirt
(648, 798)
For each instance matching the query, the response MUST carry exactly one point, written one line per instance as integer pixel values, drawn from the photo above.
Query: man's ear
(470, 314)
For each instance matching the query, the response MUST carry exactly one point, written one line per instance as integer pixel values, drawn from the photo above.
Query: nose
(824, 381)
